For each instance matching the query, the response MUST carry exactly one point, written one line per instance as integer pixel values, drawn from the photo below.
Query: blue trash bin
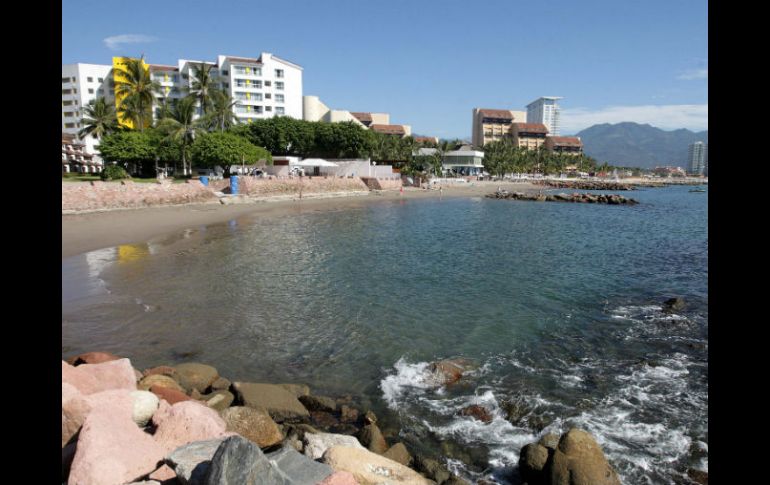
(234, 185)
(204, 180)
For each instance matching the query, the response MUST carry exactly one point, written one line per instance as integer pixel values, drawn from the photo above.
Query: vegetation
(99, 119)
(202, 85)
(114, 172)
(179, 128)
(227, 149)
(135, 85)
(502, 157)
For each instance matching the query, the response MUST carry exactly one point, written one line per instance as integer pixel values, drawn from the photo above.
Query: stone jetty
(612, 199)
(585, 184)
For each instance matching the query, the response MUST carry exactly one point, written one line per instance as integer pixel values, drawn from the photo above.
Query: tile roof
(362, 116)
(431, 139)
(245, 59)
(161, 67)
(389, 129)
(566, 141)
(496, 113)
(530, 127)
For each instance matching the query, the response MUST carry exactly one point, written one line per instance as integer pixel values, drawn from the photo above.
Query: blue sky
(429, 63)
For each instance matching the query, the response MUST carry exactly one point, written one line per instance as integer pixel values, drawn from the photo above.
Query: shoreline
(86, 231)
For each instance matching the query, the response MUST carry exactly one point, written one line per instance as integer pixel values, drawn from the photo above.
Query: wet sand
(96, 230)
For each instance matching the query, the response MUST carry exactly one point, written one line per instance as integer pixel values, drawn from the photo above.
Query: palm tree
(99, 119)
(180, 127)
(202, 86)
(165, 106)
(221, 116)
(134, 84)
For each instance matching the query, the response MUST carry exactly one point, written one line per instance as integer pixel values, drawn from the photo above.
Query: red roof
(161, 67)
(497, 113)
(362, 117)
(566, 141)
(248, 60)
(431, 139)
(530, 128)
(389, 129)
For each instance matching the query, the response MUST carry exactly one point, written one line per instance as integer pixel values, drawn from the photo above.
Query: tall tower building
(545, 110)
(697, 158)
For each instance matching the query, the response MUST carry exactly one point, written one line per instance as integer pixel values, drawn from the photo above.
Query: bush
(114, 172)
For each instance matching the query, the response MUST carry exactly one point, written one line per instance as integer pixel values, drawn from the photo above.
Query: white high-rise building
(264, 87)
(545, 110)
(697, 158)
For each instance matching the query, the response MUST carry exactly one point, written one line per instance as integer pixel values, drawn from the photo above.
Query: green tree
(202, 85)
(227, 149)
(221, 116)
(131, 148)
(135, 85)
(180, 128)
(99, 119)
(499, 157)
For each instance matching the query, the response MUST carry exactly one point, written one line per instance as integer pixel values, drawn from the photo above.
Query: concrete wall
(81, 196)
(257, 187)
(382, 184)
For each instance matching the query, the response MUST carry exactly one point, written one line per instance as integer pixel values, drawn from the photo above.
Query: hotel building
(545, 110)
(491, 125)
(529, 135)
(570, 145)
(698, 158)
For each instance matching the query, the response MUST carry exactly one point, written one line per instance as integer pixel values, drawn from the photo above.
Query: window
(279, 73)
(90, 79)
(65, 80)
(224, 73)
(66, 91)
(68, 114)
(279, 110)
(267, 83)
(100, 92)
(66, 103)
(268, 108)
(279, 85)
(101, 79)
(267, 96)
(69, 125)
(90, 91)
(279, 98)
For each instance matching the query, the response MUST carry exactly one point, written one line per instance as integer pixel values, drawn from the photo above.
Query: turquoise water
(558, 305)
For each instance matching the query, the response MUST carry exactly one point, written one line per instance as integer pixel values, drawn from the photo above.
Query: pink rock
(186, 422)
(91, 378)
(112, 449)
(163, 411)
(116, 401)
(92, 358)
(339, 478)
(163, 473)
(171, 395)
(74, 409)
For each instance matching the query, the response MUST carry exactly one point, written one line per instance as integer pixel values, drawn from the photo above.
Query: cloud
(116, 42)
(694, 74)
(667, 117)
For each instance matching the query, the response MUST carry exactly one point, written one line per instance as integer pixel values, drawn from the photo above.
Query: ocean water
(557, 305)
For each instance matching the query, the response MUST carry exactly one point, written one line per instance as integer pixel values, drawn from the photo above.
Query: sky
(429, 63)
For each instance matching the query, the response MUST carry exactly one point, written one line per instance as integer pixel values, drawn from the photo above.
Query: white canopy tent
(313, 162)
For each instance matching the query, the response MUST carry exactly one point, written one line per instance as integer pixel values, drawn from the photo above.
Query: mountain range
(630, 144)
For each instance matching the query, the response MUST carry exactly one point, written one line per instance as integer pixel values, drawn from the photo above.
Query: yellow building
(528, 135)
(118, 65)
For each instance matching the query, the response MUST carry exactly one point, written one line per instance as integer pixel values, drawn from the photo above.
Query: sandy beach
(95, 230)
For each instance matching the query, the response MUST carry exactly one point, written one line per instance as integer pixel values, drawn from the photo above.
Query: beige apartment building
(493, 124)
(570, 145)
(529, 135)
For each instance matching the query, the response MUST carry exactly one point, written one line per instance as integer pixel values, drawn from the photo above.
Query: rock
(111, 449)
(371, 437)
(163, 473)
(145, 482)
(91, 378)
(74, 409)
(323, 419)
(399, 454)
(67, 455)
(339, 478)
(196, 376)
(455, 480)
(698, 476)
(280, 403)
(238, 461)
(447, 372)
(253, 424)
(673, 305)
(172, 396)
(371, 469)
(300, 469)
(348, 414)
(318, 403)
(191, 461)
(297, 389)
(370, 417)
(160, 381)
(161, 370)
(219, 400)
(92, 358)
(186, 422)
(220, 384)
(514, 411)
(532, 461)
(316, 444)
(145, 405)
(478, 412)
(579, 460)
(431, 468)
(550, 441)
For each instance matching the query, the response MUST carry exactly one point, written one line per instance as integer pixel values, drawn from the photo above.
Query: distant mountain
(634, 145)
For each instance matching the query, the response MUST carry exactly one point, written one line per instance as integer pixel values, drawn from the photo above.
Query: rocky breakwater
(186, 424)
(612, 199)
(585, 185)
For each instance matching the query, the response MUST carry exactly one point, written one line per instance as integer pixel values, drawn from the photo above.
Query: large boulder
(161, 370)
(219, 400)
(172, 396)
(371, 437)
(673, 305)
(532, 462)
(238, 461)
(91, 378)
(399, 454)
(74, 409)
(318, 403)
(186, 422)
(280, 403)
(196, 376)
(299, 469)
(431, 468)
(447, 371)
(579, 460)
(159, 380)
(297, 389)
(371, 469)
(316, 444)
(191, 461)
(112, 449)
(253, 424)
(477, 412)
(92, 358)
(339, 478)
